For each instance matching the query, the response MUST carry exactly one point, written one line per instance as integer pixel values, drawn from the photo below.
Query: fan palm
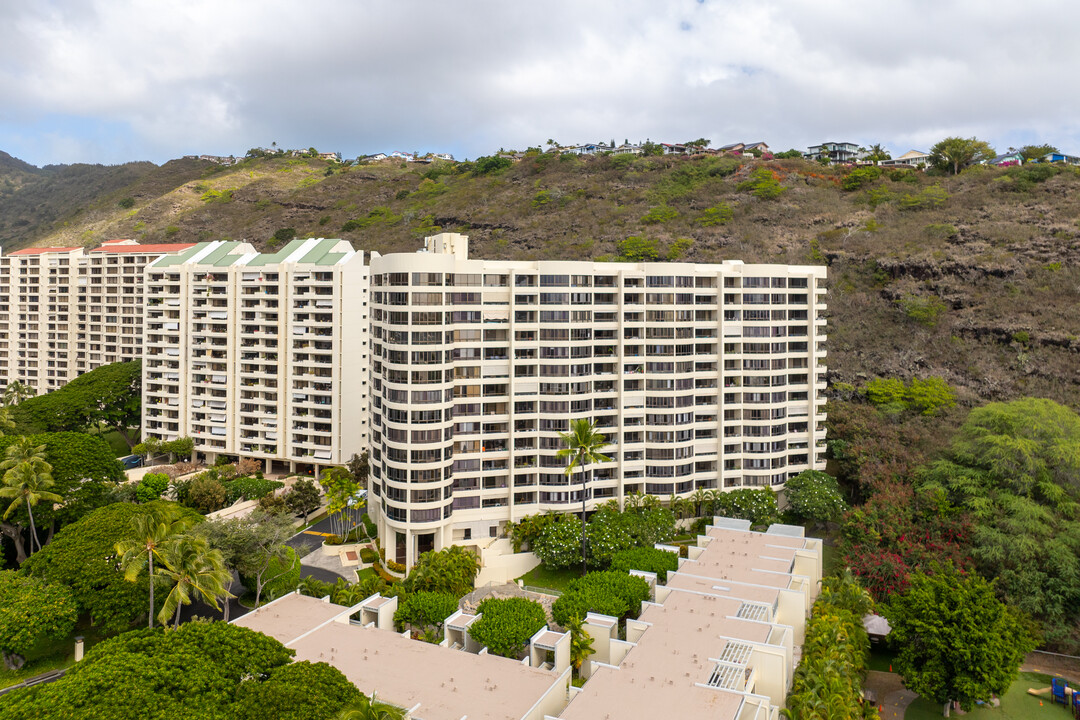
(150, 531)
(28, 482)
(195, 570)
(583, 445)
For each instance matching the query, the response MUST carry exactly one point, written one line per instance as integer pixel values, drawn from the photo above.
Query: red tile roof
(43, 250)
(159, 248)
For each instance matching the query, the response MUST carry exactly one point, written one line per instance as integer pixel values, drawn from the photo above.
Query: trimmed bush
(654, 560)
(609, 593)
(368, 555)
(507, 624)
(425, 611)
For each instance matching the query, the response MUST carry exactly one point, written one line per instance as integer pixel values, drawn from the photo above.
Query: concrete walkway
(892, 698)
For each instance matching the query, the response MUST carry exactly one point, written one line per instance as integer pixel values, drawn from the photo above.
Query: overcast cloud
(116, 80)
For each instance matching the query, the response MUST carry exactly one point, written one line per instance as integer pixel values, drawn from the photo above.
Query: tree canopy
(83, 557)
(450, 570)
(609, 593)
(1014, 469)
(957, 641)
(953, 154)
(814, 495)
(30, 610)
(203, 670)
(108, 395)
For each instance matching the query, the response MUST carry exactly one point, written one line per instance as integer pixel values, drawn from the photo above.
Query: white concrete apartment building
(259, 355)
(700, 376)
(67, 310)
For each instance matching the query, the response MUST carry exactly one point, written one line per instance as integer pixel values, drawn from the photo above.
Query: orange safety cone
(890, 667)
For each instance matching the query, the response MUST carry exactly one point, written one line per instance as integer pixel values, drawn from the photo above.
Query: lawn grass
(1016, 704)
(553, 579)
(51, 655)
(116, 443)
(881, 658)
(366, 573)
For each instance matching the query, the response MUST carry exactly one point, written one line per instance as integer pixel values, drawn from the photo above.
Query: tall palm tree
(28, 482)
(196, 570)
(151, 530)
(7, 424)
(24, 450)
(583, 446)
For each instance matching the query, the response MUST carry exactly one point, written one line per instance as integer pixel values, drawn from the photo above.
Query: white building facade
(700, 376)
(259, 355)
(67, 310)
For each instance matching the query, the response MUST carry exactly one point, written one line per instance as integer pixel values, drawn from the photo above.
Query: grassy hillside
(974, 278)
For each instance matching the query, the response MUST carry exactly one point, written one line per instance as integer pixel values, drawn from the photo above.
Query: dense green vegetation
(201, 670)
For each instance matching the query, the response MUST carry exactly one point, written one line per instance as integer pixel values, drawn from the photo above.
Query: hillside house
(835, 152)
(1009, 159)
(1058, 157)
(912, 158)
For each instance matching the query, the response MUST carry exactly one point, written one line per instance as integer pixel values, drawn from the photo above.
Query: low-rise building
(719, 641)
(259, 355)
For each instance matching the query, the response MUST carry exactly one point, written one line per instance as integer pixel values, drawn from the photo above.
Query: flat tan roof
(447, 684)
(658, 678)
(714, 586)
(747, 557)
(290, 617)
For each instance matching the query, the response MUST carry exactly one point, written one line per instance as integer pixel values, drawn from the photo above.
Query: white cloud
(473, 75)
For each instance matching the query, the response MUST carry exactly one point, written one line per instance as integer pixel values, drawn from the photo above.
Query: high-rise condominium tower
(259, 355)
(700, 376)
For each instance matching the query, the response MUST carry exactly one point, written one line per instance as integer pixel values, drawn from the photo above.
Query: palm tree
(581, 643)
(28, 482)
(16, 392)
(196, 570)
(583, 445)
(7, 424)
(150, 531)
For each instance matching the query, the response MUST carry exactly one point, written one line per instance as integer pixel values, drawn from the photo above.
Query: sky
(111, 81)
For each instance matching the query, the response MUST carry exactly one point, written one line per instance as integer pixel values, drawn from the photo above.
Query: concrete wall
(499, 564)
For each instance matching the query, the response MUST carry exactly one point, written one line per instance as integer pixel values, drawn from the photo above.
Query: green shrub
(489, 164)
(659, 214)
(941, 231)
(609, 593)
(284, 235)
(648, 559)
(218, 196)
(395, 566)
(860, 177)
(128, 202)
(719, 214)
(924, 311)
(927, 397)
(638, 249)
(151, 487)
(250, 488)
(367, 555)
(507, 624)
(763, 184)
(425, 611)
(678, 248)
(931, 197)
(541, 199)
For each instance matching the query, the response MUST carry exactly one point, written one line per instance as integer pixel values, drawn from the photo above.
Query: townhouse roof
(664, 675)
(442, 684)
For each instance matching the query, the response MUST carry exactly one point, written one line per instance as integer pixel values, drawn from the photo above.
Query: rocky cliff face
(974, 278)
